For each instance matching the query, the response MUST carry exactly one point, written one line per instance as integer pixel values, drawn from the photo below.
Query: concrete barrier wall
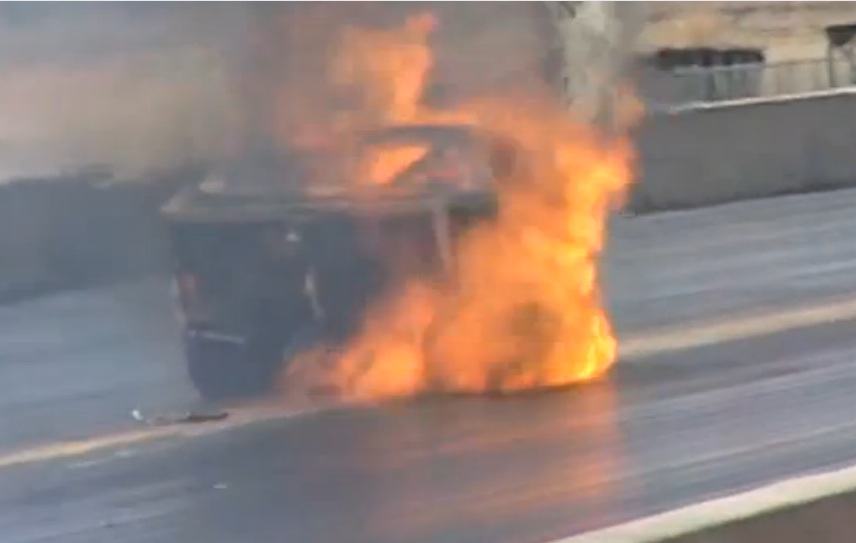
(746, 149)
(75, 232)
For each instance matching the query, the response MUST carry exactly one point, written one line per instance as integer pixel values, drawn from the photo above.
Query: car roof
(267, 183)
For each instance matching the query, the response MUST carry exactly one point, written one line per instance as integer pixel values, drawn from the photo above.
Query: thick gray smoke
(133, 87)
(152, 86)
(137, 87)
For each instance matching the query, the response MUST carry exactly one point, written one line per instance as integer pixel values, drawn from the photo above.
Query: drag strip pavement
(74, 365)
(633, 348)
(737, 370)
(651, 438)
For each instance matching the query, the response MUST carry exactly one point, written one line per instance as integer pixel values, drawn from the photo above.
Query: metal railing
(719, 83)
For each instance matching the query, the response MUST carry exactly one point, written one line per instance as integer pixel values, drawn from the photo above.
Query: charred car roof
(269, 185)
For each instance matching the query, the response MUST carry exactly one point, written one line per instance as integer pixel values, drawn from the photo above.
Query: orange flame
(389, 69)
(522, 308)
(385, 164)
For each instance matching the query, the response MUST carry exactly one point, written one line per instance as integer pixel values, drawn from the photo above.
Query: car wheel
(223, 371)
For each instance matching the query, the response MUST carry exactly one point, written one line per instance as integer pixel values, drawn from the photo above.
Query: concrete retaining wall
(746, 149)
(75, 232)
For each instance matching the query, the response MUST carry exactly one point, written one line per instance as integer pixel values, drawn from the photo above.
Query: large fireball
(522, 306)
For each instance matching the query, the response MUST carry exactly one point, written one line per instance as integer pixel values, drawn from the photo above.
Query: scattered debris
(188, 417)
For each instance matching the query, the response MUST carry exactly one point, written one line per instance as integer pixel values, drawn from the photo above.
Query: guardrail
(719, 83)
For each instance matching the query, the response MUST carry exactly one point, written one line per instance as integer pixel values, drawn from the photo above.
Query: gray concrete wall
(746, 149)
(73, 232)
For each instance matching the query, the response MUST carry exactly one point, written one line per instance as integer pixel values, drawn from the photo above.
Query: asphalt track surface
(665, 429)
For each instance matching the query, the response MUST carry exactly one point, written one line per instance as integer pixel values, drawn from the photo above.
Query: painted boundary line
(65, 449)
(633, 346)
(73, 448)
(724, 511)
(735, 328)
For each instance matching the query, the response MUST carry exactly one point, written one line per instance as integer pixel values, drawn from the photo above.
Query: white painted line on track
(634, 346)
(735, 328)
(698, 517)
(75, 448)
(63, 449)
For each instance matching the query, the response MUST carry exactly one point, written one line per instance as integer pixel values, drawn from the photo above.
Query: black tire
(223, 371)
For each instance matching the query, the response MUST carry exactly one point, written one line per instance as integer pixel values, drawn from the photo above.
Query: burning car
(267, 263)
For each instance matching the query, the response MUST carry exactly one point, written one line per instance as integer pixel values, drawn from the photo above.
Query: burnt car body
(265, 268)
